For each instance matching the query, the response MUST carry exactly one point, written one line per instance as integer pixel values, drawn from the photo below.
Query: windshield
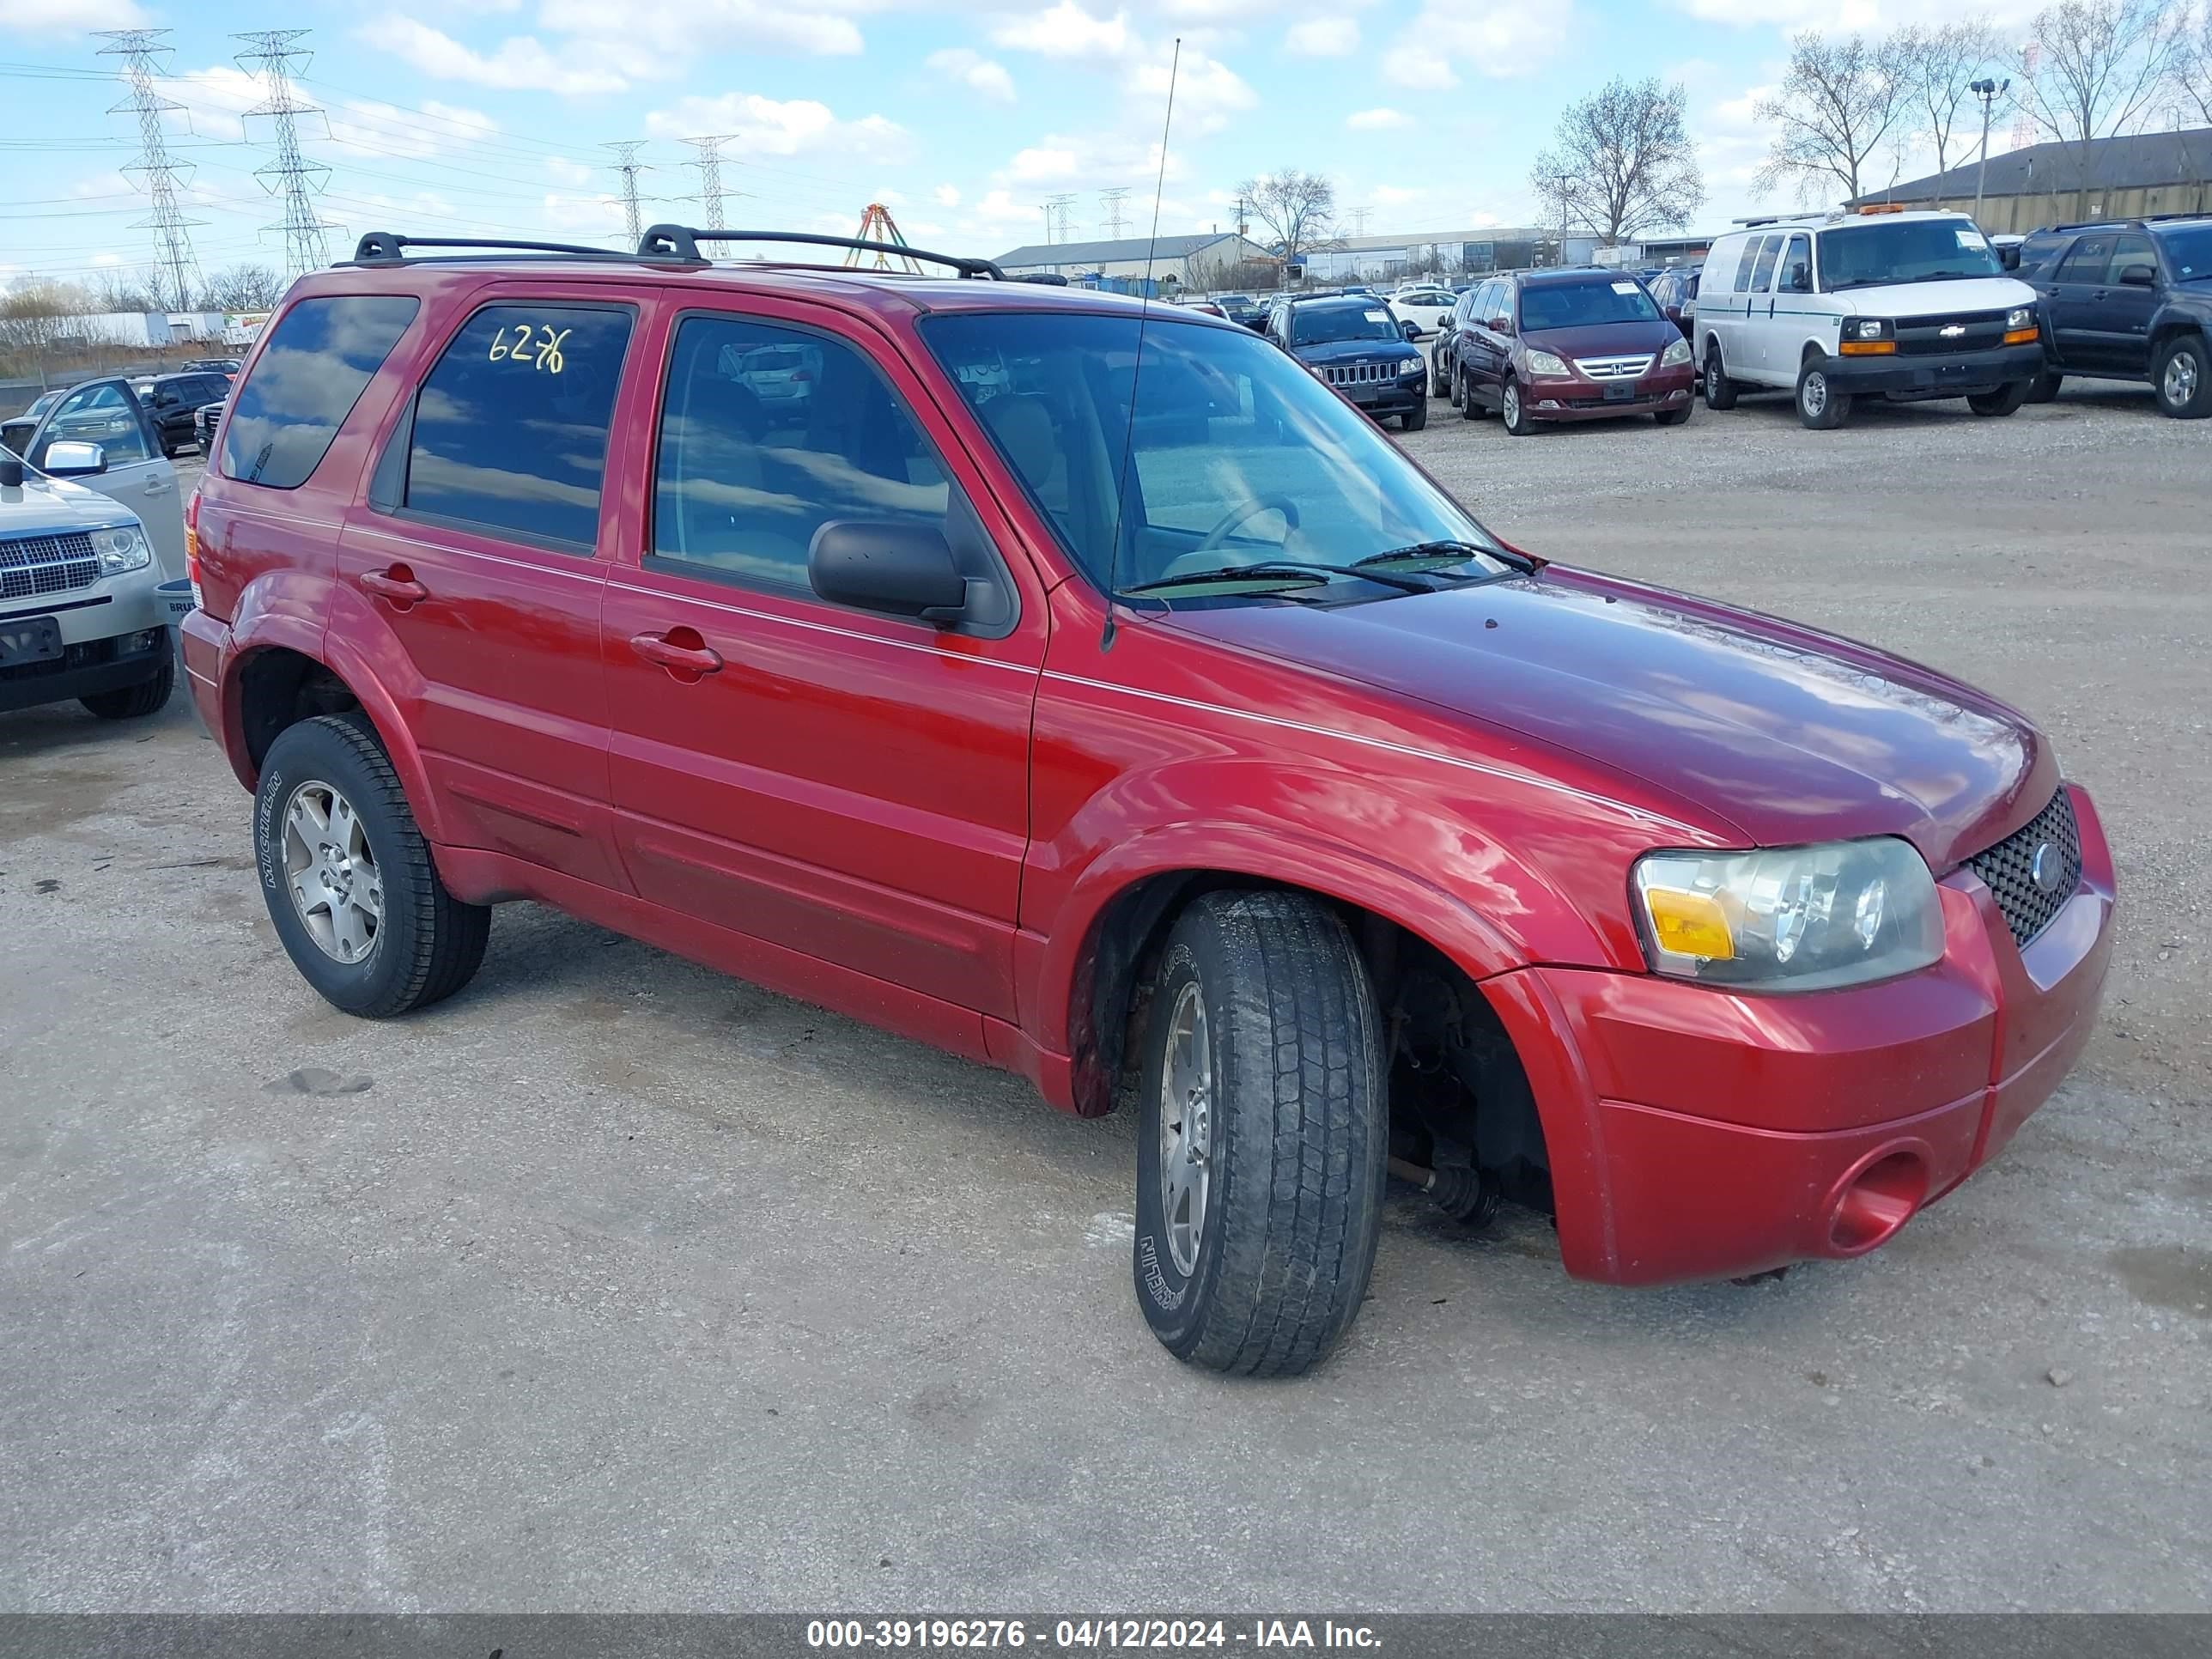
(1238, 455)
(1584, 304)
(1321, 324)
(1918, 250)
(2189, 251)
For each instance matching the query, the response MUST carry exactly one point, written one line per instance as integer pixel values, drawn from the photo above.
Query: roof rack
(681, 242)
(2135, 222)
(384, 247)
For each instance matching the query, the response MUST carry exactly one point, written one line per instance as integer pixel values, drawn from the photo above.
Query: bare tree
(1621, 162)
(33, 319)
(1299, 207)
(1939, 65)
(1838, 104)
(126, 290)
(2099, 68)
(2192, 77)
(242, 288)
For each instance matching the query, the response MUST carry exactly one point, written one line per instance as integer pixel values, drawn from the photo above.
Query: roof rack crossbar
(2129, 222)
(682, 242)
(384, 247)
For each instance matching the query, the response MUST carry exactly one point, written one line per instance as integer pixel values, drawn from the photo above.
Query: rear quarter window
(305, 382)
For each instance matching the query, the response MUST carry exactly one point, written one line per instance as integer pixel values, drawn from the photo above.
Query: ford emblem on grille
(1953, 330)
(2047, 869)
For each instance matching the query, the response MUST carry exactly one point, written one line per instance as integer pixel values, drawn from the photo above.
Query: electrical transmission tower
(627, 164)
(710, 176)
(1056, 215)
(158, 174)
(270, 59)
(1110, 209)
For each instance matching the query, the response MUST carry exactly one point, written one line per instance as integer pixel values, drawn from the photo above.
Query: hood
(1785, 733)
(1604, 339)
(1354, 351)
(1938, 299)
(49, 504)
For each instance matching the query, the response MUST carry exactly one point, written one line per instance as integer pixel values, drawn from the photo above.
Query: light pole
(1988, 91)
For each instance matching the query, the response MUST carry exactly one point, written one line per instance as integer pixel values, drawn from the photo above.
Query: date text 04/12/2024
(1096, 1635)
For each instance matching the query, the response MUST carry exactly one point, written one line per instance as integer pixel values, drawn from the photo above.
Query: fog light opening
(1878, 1200)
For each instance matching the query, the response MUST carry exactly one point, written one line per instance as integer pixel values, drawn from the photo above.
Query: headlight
(1675, 355)
(2020, 317)
(120, 549)
(1408, 370)
(1792, 918)
(1544, 363)
(1867, 328)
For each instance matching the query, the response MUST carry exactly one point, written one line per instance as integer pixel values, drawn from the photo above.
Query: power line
(1055, 215)
(710, 175)
(296, 178)
(173, 245)
(627, 164)
(1110, 210)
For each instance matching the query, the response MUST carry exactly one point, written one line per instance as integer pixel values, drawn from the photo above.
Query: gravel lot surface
(619, 1285)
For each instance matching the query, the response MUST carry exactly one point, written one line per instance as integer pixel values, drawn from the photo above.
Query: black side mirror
(902, 569)
(1410, 329)
(2139, 276)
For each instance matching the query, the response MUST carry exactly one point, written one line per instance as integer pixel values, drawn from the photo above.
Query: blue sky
(487, 115)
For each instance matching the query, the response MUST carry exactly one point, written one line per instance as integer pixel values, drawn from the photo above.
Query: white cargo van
(1879, 302)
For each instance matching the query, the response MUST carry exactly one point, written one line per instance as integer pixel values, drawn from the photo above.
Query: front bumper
(1576, 398)
(85, 669)
(1697, 1133)
(1389, 397)
(1935, 376)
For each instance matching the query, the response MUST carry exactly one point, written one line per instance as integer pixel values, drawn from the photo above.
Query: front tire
(1515, 408)
(1670, 417)
(2183, 379)
(347, 877)
(1720, 391)
(2003, 401)
(1820, 406)
(149, 696)
(1266, 1122)
(1415, 418)
(1439, 382)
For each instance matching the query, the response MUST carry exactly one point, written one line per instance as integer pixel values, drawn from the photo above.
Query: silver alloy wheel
(331, 872)
(1815, 394)
(2179, 383)
(1509, 402)
(1186, 1128)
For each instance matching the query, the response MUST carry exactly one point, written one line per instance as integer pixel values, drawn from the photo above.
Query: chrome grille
(1358, 374)
(33, 566)
(2008, 868)
(1614, 368)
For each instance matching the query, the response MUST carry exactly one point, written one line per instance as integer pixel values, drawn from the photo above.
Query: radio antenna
(1136, 368)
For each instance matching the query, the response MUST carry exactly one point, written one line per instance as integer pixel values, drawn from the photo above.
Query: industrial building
(1188, 262)
(2128, 177)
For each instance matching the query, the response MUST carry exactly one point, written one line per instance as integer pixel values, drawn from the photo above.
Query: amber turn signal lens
(2021, 336)
(1868, 348)
(1690, 924)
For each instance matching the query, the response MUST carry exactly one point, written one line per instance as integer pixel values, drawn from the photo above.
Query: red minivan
(1210, 756)
(1542, 346)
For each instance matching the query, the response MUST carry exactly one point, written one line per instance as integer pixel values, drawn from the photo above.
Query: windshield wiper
(1288, 572)
(1432, 557)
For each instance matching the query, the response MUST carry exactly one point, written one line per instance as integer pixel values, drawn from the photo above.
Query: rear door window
(510, 430)
(1743, 265)
(2087, 262)
(305, 382)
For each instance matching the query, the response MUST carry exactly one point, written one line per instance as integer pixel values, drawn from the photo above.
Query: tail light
(192, 549)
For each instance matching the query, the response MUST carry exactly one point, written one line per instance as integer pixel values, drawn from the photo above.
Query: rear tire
(2182, 377)
(1515, 408)
(2044, 388)
(1264, 1057)
(426, 944)
(1415, 418)
(1720, 391)
(149, 696)
(2003, 401)
(1820, 406)
(1463, 398)
(1439, 383)
(1670, 417)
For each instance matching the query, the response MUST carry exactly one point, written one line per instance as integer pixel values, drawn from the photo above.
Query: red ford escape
(1213, 752)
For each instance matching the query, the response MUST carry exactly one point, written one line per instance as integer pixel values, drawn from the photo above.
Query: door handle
(155, 486)
(674, 652)
(397, 584)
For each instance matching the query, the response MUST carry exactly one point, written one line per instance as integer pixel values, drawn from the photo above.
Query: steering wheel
(1241, 515)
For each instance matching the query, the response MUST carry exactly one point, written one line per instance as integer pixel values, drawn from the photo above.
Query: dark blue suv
(2128, 300)
(1354, 343)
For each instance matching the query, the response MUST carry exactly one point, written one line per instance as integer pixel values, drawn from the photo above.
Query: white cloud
(1043, 164)
(947, 196)
(665, 37)
(1206, 90)
(565, 172)
(521, 63)
(766, 126)
(1378, 120)
(1066, 30)
(1494, 38)
(974, 70)
(71, 17)
(1846, 16)
(367, 127)
(1323, 36)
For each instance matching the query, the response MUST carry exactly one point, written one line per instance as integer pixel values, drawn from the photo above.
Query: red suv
(1209, 756)
(1568, 345)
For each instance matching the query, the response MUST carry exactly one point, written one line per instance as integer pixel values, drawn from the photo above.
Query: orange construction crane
(876, 225)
